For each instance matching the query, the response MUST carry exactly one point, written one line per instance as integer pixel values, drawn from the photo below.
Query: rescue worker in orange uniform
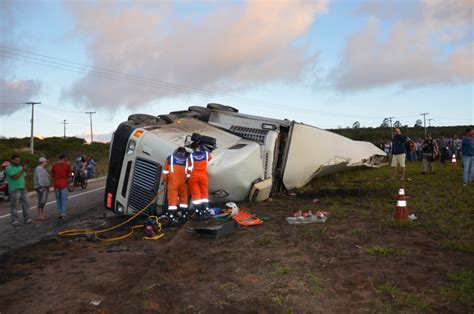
(198, 181)
(175, 174)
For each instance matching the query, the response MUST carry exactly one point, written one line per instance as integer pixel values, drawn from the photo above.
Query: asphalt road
(81, 203)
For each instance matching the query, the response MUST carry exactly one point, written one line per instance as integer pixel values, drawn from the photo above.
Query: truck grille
(252, 134)
(144, 185)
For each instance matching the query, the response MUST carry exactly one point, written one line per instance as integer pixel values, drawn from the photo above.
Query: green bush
(51, 148)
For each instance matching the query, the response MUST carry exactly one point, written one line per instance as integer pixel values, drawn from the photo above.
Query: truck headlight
(131, 146)
(120, 208)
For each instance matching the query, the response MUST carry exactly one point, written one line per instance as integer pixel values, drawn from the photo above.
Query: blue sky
(325, 63)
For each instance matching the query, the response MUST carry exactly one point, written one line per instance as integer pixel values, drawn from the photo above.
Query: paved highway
(86, 203)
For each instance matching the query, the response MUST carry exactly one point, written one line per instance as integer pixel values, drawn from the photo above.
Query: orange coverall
(174, 175)
(198, 181)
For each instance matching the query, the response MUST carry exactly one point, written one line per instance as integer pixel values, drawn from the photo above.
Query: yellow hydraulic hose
(78, 232)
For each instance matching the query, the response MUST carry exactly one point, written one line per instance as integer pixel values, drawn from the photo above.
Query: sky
(327, 63)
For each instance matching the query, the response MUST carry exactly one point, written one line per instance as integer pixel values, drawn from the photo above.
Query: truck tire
(220, 107)
(200, 110)
(168, 118)
(141, 118)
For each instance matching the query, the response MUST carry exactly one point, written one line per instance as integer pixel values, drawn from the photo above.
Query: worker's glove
(233, 206)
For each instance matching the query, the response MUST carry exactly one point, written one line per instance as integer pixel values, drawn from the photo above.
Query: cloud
(13, 92)
(222, 47)
(98, 137)
(432, 45)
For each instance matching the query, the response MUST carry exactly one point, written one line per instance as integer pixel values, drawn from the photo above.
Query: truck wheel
(141, 118)
(200, 110)
(168, 118)
(221, 107)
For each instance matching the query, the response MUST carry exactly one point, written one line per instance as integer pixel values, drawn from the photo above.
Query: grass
(263, 241)
(416, 303)
(393, 300)
(386, 251)
(314, 284)
(282, 300)
(387, 289)
(441, 203)
(461, 289)
(281, 269)
(310, 232)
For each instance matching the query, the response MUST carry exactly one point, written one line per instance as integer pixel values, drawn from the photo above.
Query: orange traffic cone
(401, 211)
(454, 162)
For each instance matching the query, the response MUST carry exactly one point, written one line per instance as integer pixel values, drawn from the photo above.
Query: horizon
(327, 63)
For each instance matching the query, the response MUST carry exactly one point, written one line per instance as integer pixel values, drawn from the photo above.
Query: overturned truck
(252, 155)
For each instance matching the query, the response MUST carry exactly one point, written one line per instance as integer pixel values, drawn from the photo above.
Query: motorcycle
(77, 179)
(4, 196)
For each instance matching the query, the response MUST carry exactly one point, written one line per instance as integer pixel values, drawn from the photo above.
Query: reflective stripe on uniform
(172, 207)
(197, 202)
(183, 205)
(172, 168)
(204, 200)
(166, 171)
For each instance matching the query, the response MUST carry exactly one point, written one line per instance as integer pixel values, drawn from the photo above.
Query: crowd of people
(14, 173)
(429, 150)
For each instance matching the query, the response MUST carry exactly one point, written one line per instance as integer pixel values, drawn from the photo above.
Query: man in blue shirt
(467, 147)
(399, 152)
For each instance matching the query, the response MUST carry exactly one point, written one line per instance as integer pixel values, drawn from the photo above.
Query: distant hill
(51, 148)
(384, 134)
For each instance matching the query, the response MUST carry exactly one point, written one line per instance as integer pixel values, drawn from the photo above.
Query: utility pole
(424, 119)
(64, 122)
(32, 138)
(90, 113)
(391, 125)
(429, 122)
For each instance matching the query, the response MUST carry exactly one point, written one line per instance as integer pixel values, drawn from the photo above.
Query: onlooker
(16, 184)
(418, 149)
(41, 185)
(468, 156)
(443, 149)
(456, 146)
(91, 165)
(399, 152)
(428, 149)
(411, 151)
(61, 172)
(3, 179)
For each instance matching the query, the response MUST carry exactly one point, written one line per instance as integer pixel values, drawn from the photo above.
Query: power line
(101, 72)
(137, 80)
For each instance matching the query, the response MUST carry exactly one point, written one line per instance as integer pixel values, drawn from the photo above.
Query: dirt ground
(350, 263)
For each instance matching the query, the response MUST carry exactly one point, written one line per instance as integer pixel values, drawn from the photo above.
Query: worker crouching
(175, 173)
(198, 181)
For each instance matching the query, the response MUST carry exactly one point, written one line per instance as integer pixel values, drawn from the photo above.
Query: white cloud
(227, 46)
(432, 45)
(14, 93)
(98, 137)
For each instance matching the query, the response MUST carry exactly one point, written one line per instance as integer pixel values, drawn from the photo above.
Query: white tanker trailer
(252, 155)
